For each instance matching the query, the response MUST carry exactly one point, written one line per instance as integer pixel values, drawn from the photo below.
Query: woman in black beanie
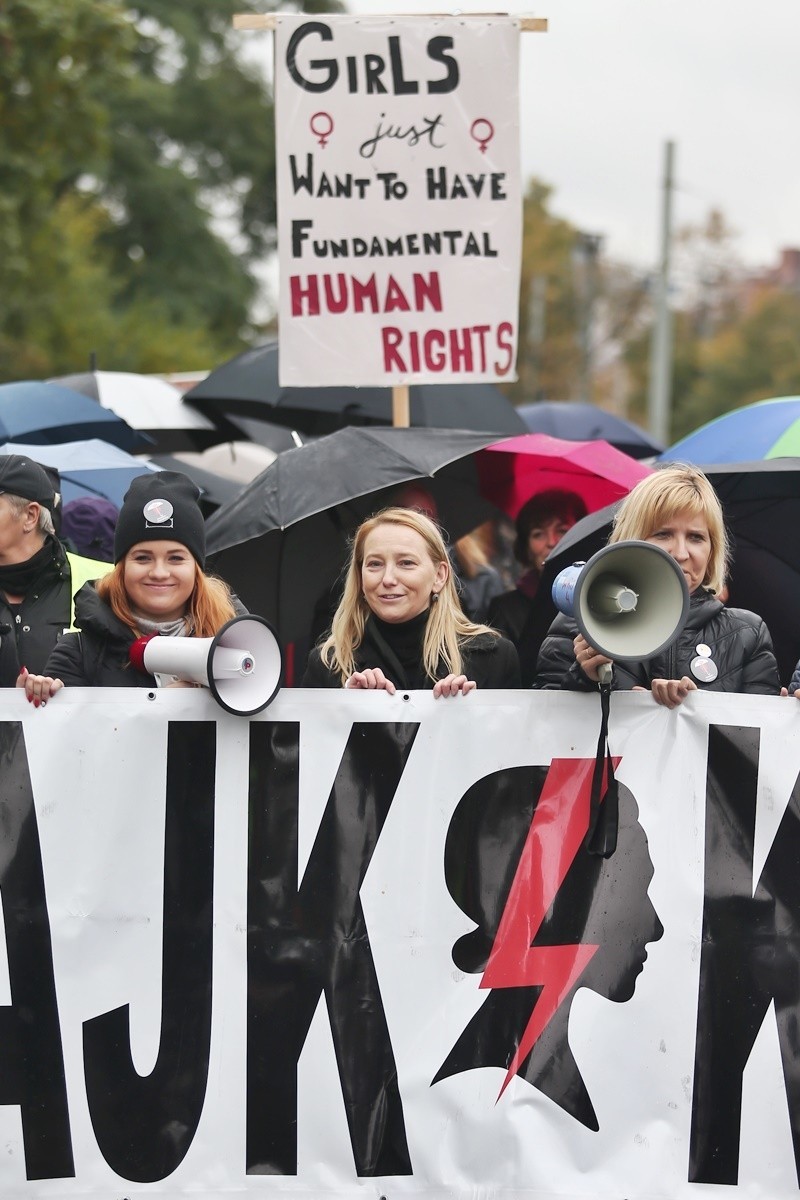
(158, 585)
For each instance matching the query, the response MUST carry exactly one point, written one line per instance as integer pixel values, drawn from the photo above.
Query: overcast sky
(613, 80)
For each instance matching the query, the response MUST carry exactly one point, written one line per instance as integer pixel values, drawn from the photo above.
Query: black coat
(98, 655)
(491, 661)
(525, 621)
(740, 645)
(30, 630)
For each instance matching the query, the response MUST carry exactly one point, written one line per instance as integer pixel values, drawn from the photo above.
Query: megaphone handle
(605, 673)
(601, 838)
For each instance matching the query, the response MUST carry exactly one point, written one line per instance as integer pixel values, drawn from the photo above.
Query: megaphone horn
(630, 600)
(242, 666)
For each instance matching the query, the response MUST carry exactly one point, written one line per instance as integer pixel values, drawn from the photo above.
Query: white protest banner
(399, 200)
(298, 955)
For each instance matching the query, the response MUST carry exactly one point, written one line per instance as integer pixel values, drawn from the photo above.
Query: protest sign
(399, 200)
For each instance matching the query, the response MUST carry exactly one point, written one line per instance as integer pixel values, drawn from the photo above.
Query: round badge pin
(156, 512)
(703, 666)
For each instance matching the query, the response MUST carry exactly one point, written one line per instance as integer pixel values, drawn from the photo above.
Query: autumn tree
(147, 125)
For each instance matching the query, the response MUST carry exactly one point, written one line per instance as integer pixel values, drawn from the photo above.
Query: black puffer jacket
(98, 655)
(739, 641)
(491, 661)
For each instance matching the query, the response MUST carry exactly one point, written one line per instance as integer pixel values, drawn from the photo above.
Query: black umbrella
(282, 542)
(761, 501)
(580, 422)
(247, 386)
(215, 489)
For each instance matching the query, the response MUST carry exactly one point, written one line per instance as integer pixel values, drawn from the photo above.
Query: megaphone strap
(604, 805)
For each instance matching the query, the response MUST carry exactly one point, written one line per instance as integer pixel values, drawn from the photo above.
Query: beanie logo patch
(158, 512)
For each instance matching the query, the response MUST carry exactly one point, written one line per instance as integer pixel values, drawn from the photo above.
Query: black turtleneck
(400, 645)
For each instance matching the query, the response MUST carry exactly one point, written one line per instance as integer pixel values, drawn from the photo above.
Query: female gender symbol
(322, 133)
(484, 136)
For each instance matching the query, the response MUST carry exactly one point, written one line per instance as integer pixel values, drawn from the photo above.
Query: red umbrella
(517, 468)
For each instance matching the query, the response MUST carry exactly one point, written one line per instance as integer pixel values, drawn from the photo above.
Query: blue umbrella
(765, 429)
(576, 421)
(88, 468)
(40, 414)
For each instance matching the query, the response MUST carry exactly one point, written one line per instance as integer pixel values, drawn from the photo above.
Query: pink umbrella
(513, 470)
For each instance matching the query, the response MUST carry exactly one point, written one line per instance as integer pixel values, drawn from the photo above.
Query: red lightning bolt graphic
(558, 827)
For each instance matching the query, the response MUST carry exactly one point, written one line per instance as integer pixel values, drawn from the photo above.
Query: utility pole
(588, 249)
(659, 402)
(537, 317)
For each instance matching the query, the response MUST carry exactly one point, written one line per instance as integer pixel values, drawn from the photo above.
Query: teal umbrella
(766, 429)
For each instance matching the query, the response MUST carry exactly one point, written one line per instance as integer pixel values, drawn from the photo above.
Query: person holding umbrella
(399, 623)
(158, 586)
(719, 649)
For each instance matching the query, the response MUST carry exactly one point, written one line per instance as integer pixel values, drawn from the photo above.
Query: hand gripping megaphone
(629, 600)
(241, 666)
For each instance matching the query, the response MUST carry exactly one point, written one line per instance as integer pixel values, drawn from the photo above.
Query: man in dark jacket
(36, 574)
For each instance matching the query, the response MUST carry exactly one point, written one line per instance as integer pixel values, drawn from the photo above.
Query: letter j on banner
(399, 199)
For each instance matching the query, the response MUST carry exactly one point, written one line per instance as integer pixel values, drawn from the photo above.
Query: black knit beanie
(161, 506)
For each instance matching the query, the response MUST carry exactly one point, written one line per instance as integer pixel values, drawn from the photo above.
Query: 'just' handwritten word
(412, 136)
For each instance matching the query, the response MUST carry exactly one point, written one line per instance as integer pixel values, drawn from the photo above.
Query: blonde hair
(669, 491)
(471, 555)
(448, 627)
(210, 604)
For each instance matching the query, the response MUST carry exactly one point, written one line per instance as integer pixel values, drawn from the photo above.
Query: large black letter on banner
(31, 1057)
(145, 1125)
(750, 954)
(313, 938)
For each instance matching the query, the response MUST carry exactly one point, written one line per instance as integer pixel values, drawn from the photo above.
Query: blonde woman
(719, 649)
(399, 623)
(158, 585)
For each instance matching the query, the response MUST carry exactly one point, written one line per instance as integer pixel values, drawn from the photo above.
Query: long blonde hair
(448, 627)
(210, 604)
(669, 491)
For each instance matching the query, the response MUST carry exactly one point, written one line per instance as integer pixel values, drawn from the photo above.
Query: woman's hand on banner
(670, 692)
(38, 688)
(372, 678)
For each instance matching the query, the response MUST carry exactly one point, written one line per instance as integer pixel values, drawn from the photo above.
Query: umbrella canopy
(149, 404)
(517, 468)
(87, 468)
(248, 386)
(767, 429)
(41, 413)
(580, 422)
(282, 543)
(761, 501)
(215, 490)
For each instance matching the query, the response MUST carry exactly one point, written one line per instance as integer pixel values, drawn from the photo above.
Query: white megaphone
(630, 600)
(241, 666)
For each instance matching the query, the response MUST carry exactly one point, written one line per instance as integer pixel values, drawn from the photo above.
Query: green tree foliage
(158, 129)
(548, 357)
(575, 308)
(752, 358)
(729, 347)
(51, 117)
